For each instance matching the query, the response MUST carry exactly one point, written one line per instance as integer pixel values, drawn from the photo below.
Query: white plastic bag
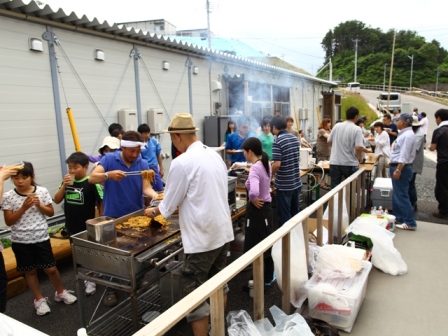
(298, 266)
(241, 324)
(289, 325)
(329, 265)
(384, 255)
(345, 219)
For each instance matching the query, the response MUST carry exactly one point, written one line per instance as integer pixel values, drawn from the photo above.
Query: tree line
(375, 50)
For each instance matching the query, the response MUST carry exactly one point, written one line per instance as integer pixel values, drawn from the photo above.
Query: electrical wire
(82, 83)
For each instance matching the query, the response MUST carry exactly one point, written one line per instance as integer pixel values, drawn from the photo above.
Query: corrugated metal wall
(96, 90)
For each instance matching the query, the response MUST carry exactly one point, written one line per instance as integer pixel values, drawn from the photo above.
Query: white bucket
(391, 219)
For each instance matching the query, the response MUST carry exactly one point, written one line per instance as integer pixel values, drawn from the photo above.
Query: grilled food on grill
(142, 222)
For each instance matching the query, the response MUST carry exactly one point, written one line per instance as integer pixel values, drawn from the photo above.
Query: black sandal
(325, 187)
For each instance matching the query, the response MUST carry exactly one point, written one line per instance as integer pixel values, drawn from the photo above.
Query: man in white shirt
(424, 127)
(198, 185)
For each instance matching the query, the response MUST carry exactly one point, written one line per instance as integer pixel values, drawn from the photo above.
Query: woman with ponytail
(258, 209)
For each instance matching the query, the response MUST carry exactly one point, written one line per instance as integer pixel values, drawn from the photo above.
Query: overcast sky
(292, 30)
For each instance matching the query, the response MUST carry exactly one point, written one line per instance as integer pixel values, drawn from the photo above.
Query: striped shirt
(286, 149)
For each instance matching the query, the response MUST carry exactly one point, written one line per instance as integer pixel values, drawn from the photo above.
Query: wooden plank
(305, 229)
(319, 225)
(61, 249)
(217, 312)
(258, 276)
(340, 204)
(286, 273)
(353, 203)
(15, 287)
(330, 220)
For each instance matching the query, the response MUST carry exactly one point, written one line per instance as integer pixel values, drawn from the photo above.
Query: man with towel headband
(122, 194)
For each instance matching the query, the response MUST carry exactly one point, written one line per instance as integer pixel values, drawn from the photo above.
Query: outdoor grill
(123, 266)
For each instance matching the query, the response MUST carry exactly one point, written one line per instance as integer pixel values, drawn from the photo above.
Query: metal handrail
(213, 288)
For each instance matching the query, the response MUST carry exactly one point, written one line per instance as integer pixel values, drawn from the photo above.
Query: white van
(354, 87)
(394, 101)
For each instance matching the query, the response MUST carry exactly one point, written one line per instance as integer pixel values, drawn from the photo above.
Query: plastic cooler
(382, 193)
(337, 301)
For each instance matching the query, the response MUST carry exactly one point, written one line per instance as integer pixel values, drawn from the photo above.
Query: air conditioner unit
(128, 119)
(156, 120)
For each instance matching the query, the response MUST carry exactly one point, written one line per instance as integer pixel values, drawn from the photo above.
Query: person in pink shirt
(258, 209)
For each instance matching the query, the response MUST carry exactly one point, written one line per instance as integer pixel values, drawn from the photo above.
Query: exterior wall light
(165, 65)
(195, 70)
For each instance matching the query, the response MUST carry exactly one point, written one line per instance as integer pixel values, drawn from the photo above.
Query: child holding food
(25, 209)
(80, 199)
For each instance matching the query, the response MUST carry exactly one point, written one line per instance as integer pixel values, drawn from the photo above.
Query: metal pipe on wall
(51, 38)
(190, 89)
(136, 55)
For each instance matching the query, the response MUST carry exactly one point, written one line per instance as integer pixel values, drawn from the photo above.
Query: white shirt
(424, 126)
(32, 226)
(198, 184)
(382, 144)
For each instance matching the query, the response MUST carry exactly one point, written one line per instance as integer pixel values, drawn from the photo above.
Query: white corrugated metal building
(36, 87)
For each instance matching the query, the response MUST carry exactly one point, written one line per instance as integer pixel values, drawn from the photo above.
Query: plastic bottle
(386, 212)
(380, 211)
(251, 288)
(374, 210)
(371, 211)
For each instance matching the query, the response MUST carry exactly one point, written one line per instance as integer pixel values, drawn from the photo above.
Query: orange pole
(71, 120)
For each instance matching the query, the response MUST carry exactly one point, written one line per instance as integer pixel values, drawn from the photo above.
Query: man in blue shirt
(151, 153)
(401, 158)
(236, 139)
(123, 194)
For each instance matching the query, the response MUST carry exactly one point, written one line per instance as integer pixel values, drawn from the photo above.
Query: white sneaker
(89, 288)
(41, 306)
(65, 297)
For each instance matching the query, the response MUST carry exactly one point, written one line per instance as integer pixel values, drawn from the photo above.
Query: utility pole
(208, 25)
(356, 58)
(437, 81)
(384, 77)
(391, 70)
(412, 67)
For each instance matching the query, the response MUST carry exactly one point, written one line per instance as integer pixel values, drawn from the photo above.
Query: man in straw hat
(197, 184)
(401, 158)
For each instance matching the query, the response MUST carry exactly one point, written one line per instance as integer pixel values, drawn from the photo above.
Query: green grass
(356, 100)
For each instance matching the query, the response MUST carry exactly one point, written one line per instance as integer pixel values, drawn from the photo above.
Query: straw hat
(111, 142)
(182, 123)
(415, 121)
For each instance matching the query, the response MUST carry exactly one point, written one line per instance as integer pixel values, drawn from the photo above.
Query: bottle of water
(374, 210)
(371, 211)
(251, 288)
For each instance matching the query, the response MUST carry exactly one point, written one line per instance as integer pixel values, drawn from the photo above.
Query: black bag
(321, 328)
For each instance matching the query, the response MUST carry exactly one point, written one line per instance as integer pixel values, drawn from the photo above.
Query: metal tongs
(133, 173)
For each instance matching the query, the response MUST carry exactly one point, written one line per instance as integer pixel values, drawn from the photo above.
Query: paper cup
(72, 179)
